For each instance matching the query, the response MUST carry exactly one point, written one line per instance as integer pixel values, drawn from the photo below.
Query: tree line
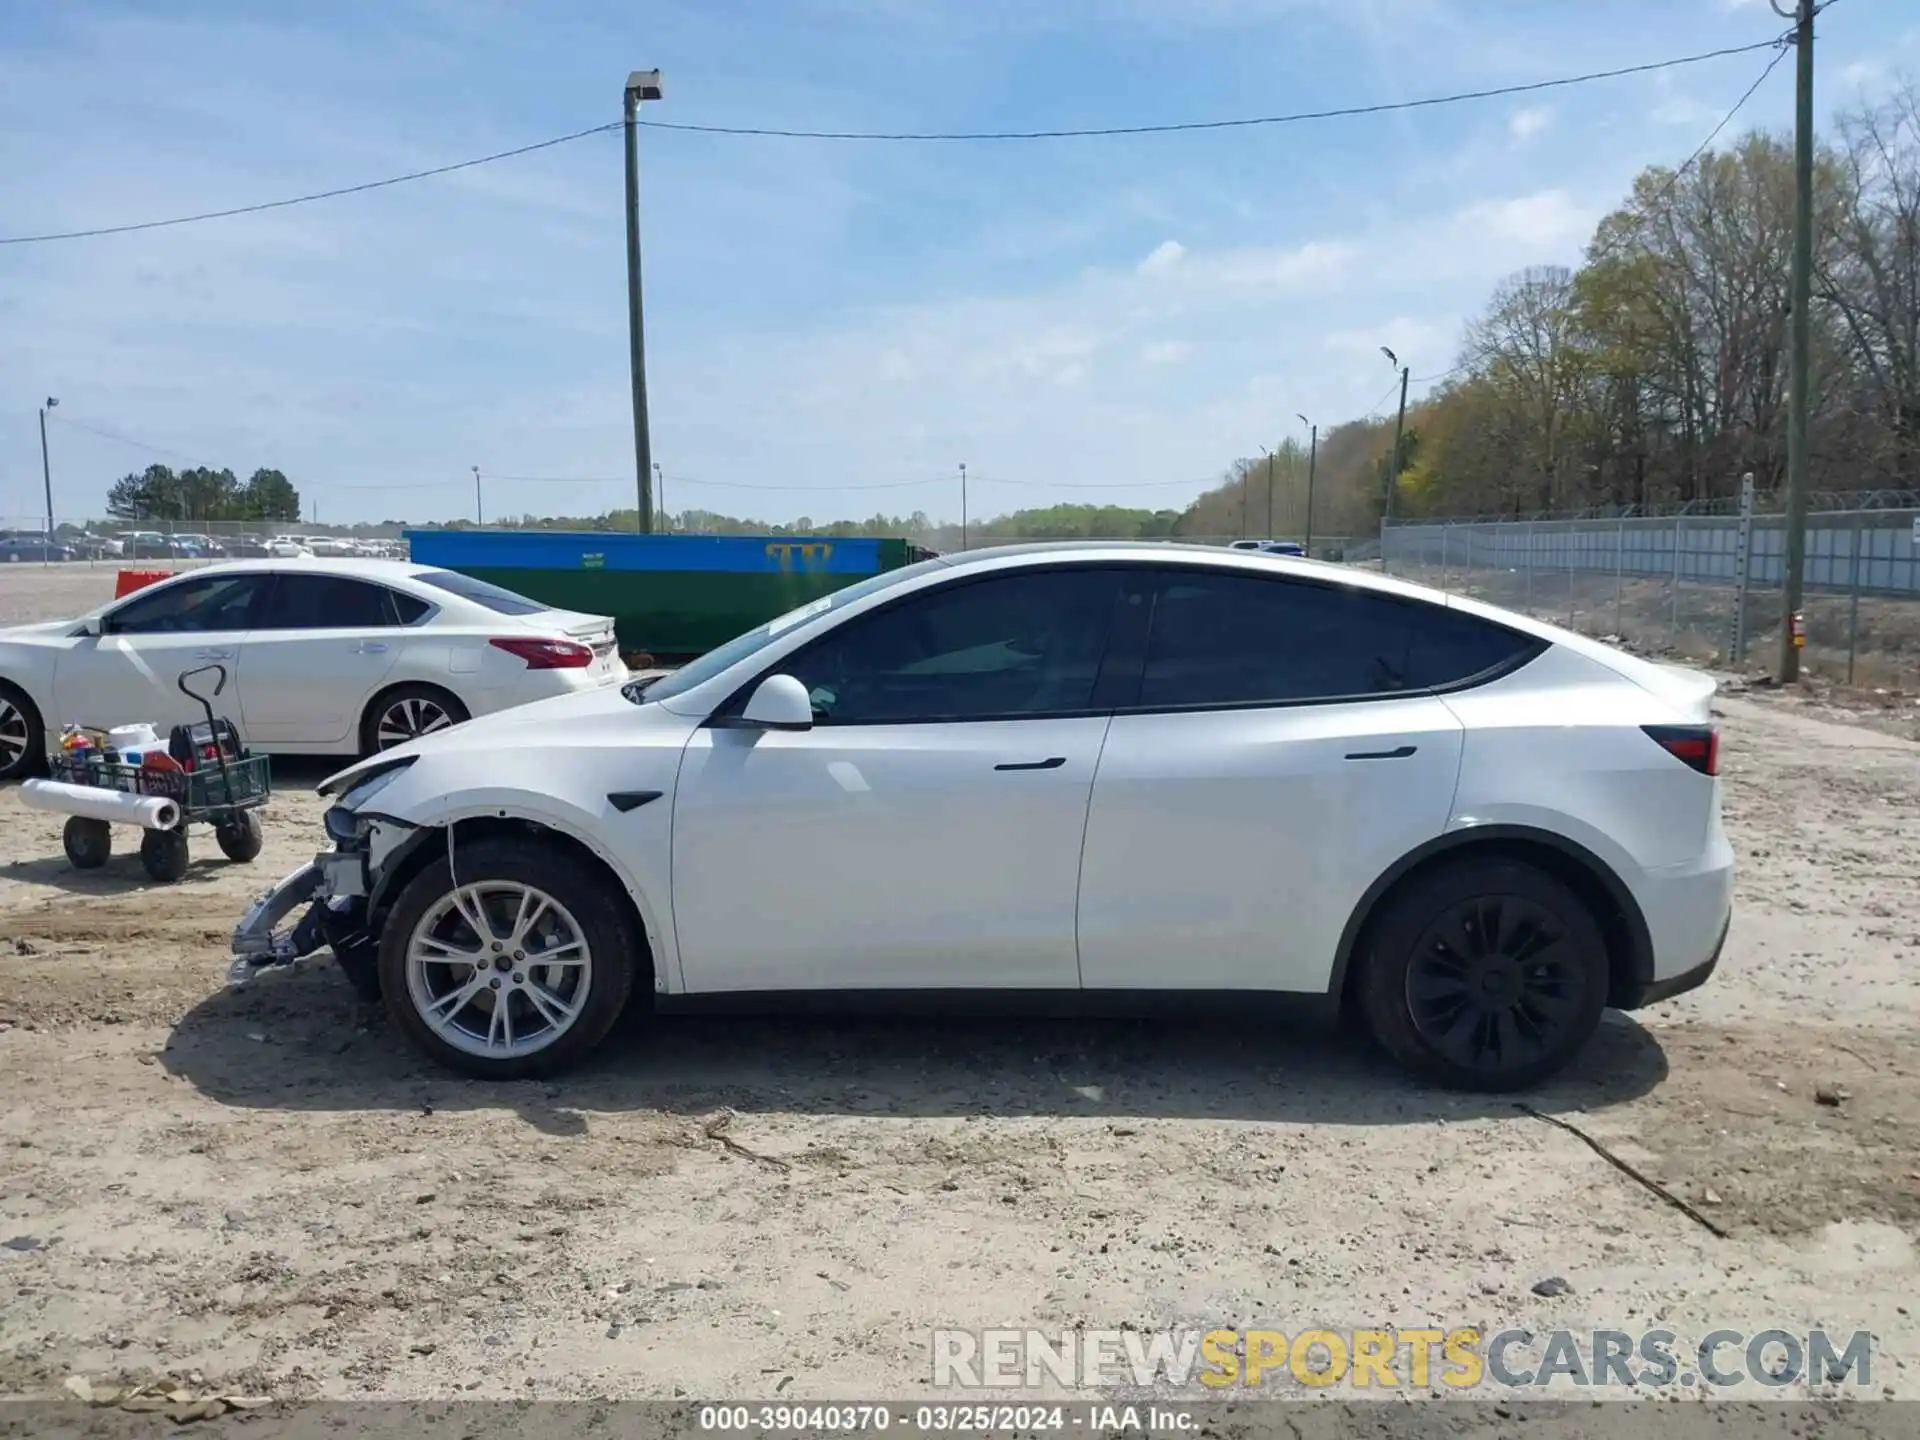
(204, 495)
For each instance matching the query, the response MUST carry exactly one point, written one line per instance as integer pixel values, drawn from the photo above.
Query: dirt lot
(265, 1187)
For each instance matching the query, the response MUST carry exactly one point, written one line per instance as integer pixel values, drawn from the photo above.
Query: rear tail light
(546, 654)
(1696, 746)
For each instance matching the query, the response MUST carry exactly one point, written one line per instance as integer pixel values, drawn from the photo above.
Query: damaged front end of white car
(329, 902)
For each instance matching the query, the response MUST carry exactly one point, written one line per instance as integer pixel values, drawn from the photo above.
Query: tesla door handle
(1402, 753)
(214, 655)
(1053, 762)
(370, 647)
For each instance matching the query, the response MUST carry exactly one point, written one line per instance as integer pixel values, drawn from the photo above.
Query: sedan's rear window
(495, 597)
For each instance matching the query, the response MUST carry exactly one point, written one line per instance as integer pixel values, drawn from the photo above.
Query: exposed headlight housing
(342, 820)
(364, 790)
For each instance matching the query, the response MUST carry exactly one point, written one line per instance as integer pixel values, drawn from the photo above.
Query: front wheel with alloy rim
(407, 713)
(22, 738)
(519, 968)
(1484, 975)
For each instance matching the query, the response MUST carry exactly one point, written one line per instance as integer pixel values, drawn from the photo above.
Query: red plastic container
(129, 581)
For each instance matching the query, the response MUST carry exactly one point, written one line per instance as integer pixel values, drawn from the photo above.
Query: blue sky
(1107, 320)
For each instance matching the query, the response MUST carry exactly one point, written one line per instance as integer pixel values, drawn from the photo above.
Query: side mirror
(779, 702)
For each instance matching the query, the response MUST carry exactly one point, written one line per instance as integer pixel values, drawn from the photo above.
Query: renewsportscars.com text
(1463, 1358)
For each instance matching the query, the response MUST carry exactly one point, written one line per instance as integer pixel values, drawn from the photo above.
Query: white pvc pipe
(149, 812)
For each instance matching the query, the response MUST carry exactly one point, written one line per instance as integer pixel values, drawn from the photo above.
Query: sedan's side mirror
(779, 702)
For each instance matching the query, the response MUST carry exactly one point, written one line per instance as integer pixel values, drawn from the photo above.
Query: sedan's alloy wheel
(409, 719)
(15, 733)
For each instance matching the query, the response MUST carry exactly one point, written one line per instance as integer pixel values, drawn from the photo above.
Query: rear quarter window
(496, 598)
(408, 607)
(1447, 648)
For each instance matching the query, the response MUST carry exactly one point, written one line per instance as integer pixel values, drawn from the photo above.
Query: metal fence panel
(1673, 582)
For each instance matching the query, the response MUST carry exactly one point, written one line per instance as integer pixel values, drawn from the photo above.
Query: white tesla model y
(1106, 770)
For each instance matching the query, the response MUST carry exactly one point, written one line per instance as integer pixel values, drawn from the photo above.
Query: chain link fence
(25, 539)
(1705, 588)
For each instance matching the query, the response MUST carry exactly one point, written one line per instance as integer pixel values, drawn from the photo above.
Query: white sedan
(323, 657)
(1089, 770)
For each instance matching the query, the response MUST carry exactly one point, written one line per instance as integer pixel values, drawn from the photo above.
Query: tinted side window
(1222, 639)
(494, 597)
(1026, 644)
(408, 607)
(315, 602)
(1449, 647)
(218, 602)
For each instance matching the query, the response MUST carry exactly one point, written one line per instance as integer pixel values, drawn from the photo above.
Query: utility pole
(1799, 391)
(476, 497)
(1246, 471)
(1399, 429)
(641, 85)
(46, 472)
(963, 505)
(1313, 454)
(1269, 494)
(660, 494)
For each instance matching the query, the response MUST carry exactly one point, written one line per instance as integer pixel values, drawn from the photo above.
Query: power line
(1243, 122)
(711, 484)
(1086, 485)
(118, 438)
(1673, 181)
(317, 195)
(1374, 408)
(1784, 48)
(1727, 119)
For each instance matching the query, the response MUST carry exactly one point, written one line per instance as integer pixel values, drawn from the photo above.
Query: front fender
(634, 846)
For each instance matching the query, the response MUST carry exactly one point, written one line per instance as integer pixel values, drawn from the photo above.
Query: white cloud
(1163, 256)
(1529, 122)
(1166, 352)
(1548, 222)
(1683, 110)
(1863, 75)
(1318, 262)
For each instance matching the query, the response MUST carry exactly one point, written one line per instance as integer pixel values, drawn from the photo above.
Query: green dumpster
(671, 596)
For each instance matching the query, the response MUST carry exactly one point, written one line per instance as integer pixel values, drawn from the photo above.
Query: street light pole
(1313, 454)
(1399, 428)
(660, 494)
(1246, 497)
(641, 85)
(46, 471)
(1269, 492)
(477, 520)
(963, 505)
(1799, 393)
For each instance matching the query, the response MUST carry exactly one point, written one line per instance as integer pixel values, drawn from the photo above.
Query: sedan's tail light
(1697, 746)
(546, 654)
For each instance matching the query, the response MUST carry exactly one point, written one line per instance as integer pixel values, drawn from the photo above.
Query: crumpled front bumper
(332, 887)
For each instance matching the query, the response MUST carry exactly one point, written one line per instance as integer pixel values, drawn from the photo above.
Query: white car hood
(590, 718)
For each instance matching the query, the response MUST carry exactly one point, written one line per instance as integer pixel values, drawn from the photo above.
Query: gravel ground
(265, 1187)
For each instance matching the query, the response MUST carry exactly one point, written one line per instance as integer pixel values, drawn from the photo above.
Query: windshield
(741, 646)
(495, 597)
